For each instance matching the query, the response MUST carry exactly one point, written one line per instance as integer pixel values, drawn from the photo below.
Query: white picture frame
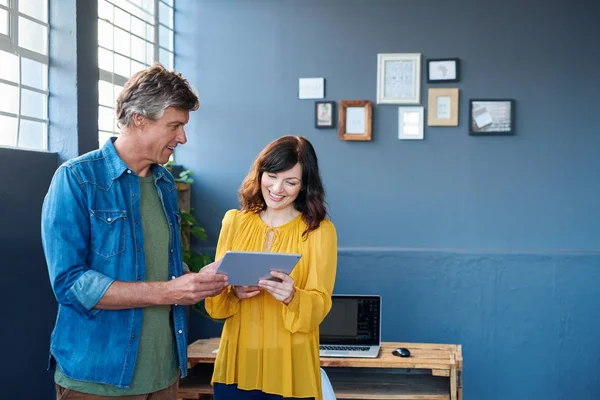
(399, 78)
(410, 123)
(311, 88)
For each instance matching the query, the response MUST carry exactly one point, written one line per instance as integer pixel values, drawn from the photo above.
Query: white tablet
(246, 268)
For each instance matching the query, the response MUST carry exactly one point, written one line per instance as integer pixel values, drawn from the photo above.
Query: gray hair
(151, 91)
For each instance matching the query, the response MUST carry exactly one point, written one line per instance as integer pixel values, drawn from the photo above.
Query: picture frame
(324, 114)
(442, 107)
(399, 78)
(488, 117)
(355, 120)
(410, 123)
(311, 88)
(443, 70)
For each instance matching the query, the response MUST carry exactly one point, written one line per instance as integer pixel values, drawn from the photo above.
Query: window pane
(106, 120)
(135, 67)
(32, 134)
(8, 131)
(103, 137)
(105, 34)
(149, 54)
(117, 89)
(166, 59)
(9, 101)
(34, 74)
(105, 90)
(138, 27)
(4, 2)
(166, 37)
(33, 104)
(122, 65)
(138, 49)
(122, 19)
(3, 22)
(122, 42)
(105, 10)
(150, 33)
(105, 60)
(32, 36)
(35, 8)
(165, 15)
(169, 2)
(9, 66)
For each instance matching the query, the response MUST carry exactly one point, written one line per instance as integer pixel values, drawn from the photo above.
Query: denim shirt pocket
(108, 231)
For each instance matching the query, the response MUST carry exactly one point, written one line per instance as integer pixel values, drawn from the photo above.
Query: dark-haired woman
(270, 343)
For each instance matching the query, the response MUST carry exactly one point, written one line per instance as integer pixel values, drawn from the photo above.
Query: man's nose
(182, 138)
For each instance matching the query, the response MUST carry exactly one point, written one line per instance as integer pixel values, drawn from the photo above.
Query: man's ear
(139, 120)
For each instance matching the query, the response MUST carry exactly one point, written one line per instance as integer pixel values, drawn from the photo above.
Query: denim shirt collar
(118, 167)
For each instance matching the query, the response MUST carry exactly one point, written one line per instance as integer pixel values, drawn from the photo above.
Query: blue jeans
(231, 392)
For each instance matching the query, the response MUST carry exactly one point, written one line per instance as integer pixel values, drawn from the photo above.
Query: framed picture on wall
(311, 88)
(355, 120)
(443, 70)
(410, 123)
(489, 117)
(324, 114)
(399, 78)
(443, 107)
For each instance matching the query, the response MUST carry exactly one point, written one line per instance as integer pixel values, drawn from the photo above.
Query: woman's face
(280, 189)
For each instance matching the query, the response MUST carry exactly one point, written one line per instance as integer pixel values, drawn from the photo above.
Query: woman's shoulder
(238, 216)
(326, 227)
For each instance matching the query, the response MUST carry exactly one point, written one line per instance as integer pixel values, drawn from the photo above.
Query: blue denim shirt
(92, 235)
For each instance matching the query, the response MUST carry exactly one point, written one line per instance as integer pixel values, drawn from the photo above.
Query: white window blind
(24, 57)
(132, 35)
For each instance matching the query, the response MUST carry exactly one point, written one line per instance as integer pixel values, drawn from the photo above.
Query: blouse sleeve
(311, 304)
(225, 304)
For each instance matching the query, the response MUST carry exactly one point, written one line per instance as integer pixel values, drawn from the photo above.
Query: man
(110, 231)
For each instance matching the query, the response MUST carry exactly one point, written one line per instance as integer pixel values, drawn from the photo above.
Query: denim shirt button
(138, 249)
(171, 250)
(133, 336)
(173, 277)
(134, 195)
(180, 331)
(128, 171)
(138, 278)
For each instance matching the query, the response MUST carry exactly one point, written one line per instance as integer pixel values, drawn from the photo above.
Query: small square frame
(442, 107)
(355, 124)
(324, 114)
(443, 70)
(488, 117)
(406, 121)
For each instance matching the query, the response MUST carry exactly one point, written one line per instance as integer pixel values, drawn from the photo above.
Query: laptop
(352, 328)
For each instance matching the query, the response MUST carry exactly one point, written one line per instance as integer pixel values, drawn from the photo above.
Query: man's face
(163, 135)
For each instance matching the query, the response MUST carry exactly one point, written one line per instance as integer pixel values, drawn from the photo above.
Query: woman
(270, 343)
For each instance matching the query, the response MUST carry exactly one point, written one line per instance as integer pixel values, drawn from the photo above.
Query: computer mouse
(401, 352)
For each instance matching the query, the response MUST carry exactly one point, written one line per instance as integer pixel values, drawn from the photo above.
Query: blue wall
(488, 242)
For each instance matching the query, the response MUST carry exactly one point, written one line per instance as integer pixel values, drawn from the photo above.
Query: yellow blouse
(265, 344)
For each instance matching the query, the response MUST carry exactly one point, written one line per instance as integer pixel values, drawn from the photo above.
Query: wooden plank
(440, 372)
(423, 356)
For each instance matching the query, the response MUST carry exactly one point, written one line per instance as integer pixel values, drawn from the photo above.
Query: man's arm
(185, 290)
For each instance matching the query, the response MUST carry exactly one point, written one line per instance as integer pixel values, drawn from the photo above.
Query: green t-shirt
(156, 366)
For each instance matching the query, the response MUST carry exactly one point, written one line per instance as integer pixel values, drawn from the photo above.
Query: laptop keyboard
(345, 348)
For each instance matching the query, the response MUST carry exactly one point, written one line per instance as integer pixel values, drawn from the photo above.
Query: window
(132, 35)
(24, 74)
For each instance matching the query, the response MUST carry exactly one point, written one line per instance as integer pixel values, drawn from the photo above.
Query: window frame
(117, 80)
(10, 44)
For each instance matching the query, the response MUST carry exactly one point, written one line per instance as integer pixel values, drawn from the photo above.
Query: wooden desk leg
(453, 379)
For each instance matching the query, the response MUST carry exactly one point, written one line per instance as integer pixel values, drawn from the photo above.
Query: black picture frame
(491, 117)
(435, 77)
(325, 114)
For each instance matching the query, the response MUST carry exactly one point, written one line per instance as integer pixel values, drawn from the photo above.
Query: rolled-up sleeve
(312, 303)
(65, 238)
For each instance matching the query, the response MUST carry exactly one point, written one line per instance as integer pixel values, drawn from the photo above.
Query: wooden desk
(433, 372)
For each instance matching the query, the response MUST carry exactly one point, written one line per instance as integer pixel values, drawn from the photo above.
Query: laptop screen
(353, 320)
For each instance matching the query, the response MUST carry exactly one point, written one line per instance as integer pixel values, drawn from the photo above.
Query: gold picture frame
(355, 120)
(443, 107)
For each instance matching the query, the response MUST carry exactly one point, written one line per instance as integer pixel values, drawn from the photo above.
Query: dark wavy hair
(281, 155)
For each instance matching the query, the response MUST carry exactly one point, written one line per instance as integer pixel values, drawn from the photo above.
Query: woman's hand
(245, 292)
(283, 291)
